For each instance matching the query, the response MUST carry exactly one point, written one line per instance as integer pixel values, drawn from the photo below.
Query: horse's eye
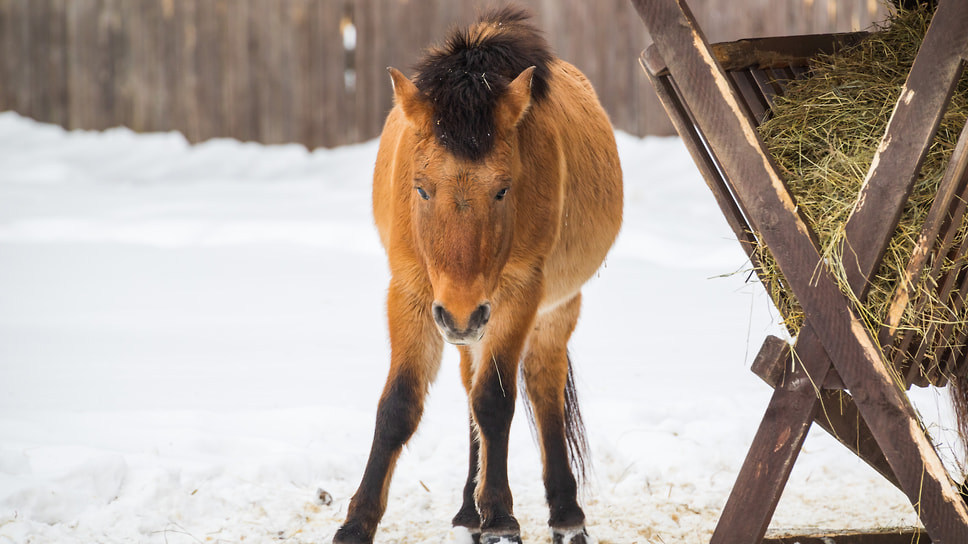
(501, 194)
(423, 194)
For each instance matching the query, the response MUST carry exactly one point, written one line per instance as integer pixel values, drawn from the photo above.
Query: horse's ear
(406, 95)
(516, 100)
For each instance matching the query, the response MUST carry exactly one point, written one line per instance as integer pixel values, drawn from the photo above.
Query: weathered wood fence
(313, 71)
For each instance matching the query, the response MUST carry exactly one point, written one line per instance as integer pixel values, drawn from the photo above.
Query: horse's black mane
(464, 79)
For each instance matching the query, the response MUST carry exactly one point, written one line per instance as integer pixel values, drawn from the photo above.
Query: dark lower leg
(561, 489)
(397, 417)
(493, 406)
(468, 516)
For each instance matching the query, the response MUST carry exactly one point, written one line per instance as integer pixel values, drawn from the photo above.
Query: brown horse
(497, 193)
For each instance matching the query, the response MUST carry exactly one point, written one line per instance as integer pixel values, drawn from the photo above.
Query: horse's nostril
(442, 317)
(480, 316)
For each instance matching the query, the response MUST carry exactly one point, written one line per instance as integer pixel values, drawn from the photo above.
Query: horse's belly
(576, 259)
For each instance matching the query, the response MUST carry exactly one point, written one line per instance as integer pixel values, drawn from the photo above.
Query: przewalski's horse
(497, 193)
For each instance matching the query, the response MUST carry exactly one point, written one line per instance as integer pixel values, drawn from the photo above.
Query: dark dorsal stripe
(465, 78)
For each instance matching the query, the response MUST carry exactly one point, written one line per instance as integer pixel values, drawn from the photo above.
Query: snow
(193, 341)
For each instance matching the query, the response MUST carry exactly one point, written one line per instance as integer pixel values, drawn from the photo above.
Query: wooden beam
(778, 441)
(837, 414)
(896, 536)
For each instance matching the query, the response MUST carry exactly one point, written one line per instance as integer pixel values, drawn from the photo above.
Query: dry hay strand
(823, 133)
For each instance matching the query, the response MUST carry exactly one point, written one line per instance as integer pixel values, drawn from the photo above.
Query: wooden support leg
(778, 440)
(767, 467)
(837, 414)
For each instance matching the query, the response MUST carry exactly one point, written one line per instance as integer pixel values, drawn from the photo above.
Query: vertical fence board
(210, 48)
(185, 73)
(8, 52)
(47, 57)
(277, 71)
(239, 111)
(331, 114)
(18, 38)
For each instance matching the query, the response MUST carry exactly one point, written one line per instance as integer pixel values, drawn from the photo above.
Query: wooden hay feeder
(716, 96)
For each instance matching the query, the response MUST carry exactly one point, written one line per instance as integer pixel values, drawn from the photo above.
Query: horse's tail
(575, 437)
(575, 428)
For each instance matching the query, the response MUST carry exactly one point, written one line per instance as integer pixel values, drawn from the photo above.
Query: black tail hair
(575, 435)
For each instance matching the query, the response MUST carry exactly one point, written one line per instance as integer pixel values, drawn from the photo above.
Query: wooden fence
(313, 71)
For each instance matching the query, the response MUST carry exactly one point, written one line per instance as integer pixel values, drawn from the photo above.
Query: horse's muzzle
(453, 333)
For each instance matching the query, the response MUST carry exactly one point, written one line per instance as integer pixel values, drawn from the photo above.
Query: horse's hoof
(571, 536)
(492, 538)
(351, 534)
(466, 535)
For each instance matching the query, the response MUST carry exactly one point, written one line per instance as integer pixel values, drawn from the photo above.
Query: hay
(823, 134)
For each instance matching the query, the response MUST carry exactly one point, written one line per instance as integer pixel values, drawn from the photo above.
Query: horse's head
(462, 209)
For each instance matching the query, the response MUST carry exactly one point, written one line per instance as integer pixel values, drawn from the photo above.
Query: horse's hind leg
(415, 357)
(546, 375)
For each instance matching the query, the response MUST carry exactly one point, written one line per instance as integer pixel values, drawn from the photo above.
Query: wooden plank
(18, 40)
(107, 92)
(837, 415)
(763, 53)
(82, 31)
(49, 49)
(768, 87)
(238, 86)
(331, 118)
(770, 363)
(754, 178)
(370, 73)
(296, 19)
(841, 419)
(278, 112)
(269, 46)
(140, 93)
(209, 51)
(185, 70)
(119, 56)
(9, 60)
(696, 145)
(748, 87)
(35, 52)
(896, 536)
(153, 55)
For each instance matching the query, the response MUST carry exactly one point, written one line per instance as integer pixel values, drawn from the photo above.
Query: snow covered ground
(192, 343)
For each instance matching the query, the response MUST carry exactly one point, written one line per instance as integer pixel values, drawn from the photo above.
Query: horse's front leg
(416, 349)
(467, 517)
(492, 398)
(492, 405)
